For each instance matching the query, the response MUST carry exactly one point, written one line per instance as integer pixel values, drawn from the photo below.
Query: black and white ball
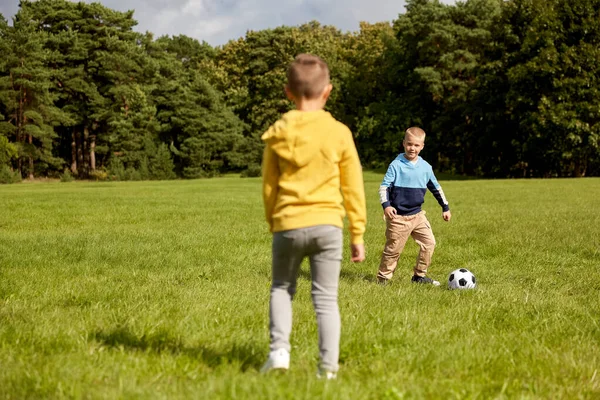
(461, 278)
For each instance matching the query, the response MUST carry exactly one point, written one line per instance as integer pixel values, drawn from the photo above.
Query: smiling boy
(402, 194)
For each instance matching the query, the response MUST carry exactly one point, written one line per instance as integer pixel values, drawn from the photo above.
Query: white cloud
(219, 26)
(218, 21)
(195, 8)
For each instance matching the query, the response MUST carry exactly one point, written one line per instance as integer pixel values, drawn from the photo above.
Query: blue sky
(218, 21)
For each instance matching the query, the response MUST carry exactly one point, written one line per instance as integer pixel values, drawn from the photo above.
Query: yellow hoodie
(308, 158)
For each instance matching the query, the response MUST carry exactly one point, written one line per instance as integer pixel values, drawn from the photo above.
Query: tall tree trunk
(31, 159)
(579, 168)
(20, 157)
(93, 153)
(20, 136)
(79, 152)
(74, 152)
(86, 154)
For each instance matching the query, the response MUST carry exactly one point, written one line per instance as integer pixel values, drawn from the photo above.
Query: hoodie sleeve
(435, 189)
(270, 173)
(388, 181)
(353, 190)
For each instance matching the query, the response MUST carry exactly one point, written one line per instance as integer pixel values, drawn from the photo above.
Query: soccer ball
(461, 279)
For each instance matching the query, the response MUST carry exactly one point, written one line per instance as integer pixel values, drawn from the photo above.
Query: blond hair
(307, 76)
(416, 132)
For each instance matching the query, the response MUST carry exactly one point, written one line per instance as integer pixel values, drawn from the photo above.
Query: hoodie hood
(296, 137)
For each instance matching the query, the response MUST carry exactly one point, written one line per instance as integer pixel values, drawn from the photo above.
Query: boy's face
(412, 147)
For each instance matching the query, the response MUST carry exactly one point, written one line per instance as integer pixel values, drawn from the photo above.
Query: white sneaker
(322, 374)
(278, 359)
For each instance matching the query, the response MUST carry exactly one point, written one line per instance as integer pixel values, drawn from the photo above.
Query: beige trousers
(397, 232)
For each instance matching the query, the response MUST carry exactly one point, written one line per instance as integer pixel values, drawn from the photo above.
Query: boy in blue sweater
(402, 193)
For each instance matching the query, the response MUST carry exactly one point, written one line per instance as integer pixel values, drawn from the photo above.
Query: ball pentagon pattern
(461, 278)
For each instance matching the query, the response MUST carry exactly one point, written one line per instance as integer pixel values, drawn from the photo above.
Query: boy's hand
(447, 215)
(358, 252)
(390, 212)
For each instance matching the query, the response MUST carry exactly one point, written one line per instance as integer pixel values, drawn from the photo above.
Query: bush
(99, 175)
(144, 169)
(198, 172)
(162, 164)
(66, 176)
(131, 174)
(253, 171)
(8, 151)
(116, 170)
(7, 175)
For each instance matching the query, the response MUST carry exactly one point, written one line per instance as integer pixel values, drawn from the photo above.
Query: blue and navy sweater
(405, 184)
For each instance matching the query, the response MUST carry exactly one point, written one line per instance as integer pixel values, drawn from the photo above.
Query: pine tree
(6, 128)
(27, 100)
(162, 166)
(100, 80)
(194, 120)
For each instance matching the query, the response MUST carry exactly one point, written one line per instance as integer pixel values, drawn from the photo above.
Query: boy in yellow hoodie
(312, 177)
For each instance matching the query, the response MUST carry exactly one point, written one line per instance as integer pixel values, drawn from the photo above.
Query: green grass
(160, 290)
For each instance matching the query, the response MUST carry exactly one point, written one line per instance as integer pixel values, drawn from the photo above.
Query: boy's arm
(436, 189)
(388, 180)
(353, 190)
(270, 173)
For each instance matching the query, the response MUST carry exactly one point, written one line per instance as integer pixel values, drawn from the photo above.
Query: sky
(218, 21)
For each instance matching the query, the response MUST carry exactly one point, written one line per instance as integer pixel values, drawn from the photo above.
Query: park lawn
(160, 290)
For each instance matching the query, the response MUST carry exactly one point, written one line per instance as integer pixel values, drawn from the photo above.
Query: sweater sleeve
(388, 181)
(436, 189)
(353, 190)
(270, 173)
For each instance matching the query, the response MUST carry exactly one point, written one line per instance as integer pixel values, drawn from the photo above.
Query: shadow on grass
(249, 355)
(359, 276)
(347, 275)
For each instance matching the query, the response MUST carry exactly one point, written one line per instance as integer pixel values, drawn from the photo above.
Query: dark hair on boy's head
(307, 76)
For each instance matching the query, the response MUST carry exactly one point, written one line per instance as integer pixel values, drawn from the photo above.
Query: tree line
(503, 88)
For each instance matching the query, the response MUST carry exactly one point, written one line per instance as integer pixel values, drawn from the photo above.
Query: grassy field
(160, 290)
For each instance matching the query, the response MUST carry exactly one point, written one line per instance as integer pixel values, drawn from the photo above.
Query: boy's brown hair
(416, 132)
(307, 76)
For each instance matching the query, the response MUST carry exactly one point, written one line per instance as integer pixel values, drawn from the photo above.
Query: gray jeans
(322, 244)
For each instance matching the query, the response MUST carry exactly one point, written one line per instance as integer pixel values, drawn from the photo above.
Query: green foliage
(255, 69)
(66, 176)
(116, 170)
(367, 99)
(99, 175)
(25, 96)
(253, 171)
(503, 88)
(438, 52)
(552, 70)
(188, 51)
(7, 175)
(203, 132)
(158, 166)
(144, 168)
(8, 151)
(162, 167)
